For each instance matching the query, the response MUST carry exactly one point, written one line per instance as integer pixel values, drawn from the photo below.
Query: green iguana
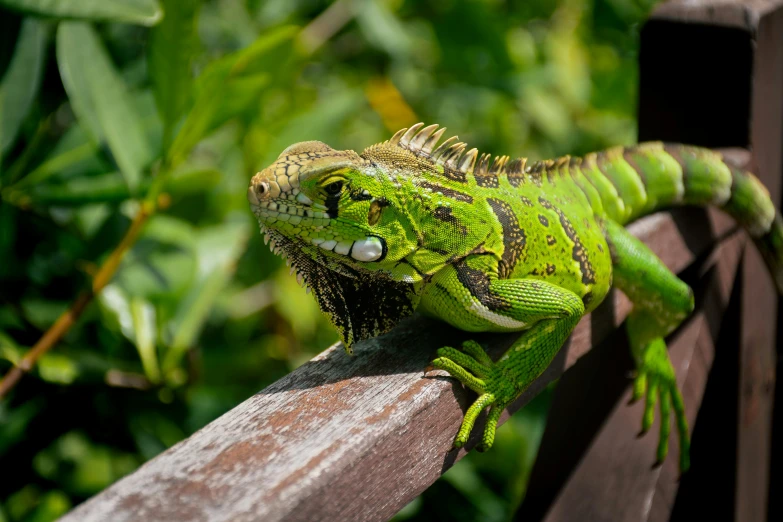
(488, 244)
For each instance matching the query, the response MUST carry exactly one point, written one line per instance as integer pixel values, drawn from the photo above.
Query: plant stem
(70, 316)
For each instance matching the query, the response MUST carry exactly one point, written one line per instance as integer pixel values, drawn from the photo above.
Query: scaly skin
(491, 245)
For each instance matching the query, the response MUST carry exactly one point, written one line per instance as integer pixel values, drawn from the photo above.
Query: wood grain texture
(586, 439)
(353, 438)
(759, 316)
(740, 14)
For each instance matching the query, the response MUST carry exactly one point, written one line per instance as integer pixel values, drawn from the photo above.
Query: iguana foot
(655, 377)
(473, 368)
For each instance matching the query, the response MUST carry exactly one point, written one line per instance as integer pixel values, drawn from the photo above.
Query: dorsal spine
(452, 153)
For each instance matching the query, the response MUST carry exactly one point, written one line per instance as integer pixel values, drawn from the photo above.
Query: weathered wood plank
(739, 45)
(741, 14)
(598, 437)
(352, 437)
(759, 315)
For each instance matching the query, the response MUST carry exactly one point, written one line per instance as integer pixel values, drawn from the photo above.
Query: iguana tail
(635, 181)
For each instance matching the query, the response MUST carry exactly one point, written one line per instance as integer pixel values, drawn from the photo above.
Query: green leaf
(9, 350)
(143, 12)
(318, 122)
(42, 313)
(161, 264)
(100, 99)
(145, 333)
(172, 47)
(57, 368)
(109, 187)
(382, 29)
(21, 81)
(84, 466)
(243, 74)
(218, 249)
(14, 421)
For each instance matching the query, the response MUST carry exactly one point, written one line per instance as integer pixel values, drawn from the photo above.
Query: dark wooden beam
(712, 74)
(353, 437)
(593, 464)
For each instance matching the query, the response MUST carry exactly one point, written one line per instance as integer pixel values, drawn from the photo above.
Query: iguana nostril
(257, 192)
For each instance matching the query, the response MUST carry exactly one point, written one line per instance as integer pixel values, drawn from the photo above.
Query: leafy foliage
(105, 105)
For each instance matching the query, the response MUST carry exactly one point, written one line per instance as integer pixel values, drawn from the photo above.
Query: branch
(70, 316)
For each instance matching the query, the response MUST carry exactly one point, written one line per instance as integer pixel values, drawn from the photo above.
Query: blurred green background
(107, 104)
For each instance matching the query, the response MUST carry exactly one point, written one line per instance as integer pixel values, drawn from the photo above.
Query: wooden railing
(357, 438)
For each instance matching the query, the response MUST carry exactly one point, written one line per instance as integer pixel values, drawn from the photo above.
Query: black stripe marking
(445, 214)
(544, 221)
(587, 298)
(536, 170)
(333, 204)
(514, 239)
(578, 253)
(455, 175)
(477, 283)
(449, 193)
(515, 172)
(488, 179)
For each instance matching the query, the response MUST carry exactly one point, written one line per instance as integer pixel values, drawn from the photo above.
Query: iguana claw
(656, 377)
(474, 368)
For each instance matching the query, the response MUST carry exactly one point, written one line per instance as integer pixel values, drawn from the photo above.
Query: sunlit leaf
(75, 152)
(77, 155)
(57, 368)
(218, 249)
(172, 47)
(382, 28)
(161, 264)
(145, 333)
(319, 122)
(111, 188)
(266, 58)
(42, 312)
(143, 12)
(100, 99)
(9, 350)
(21, 81)
(116, 307)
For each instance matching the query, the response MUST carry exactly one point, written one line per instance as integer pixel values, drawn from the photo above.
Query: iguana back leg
(661, 302)
(547, 310)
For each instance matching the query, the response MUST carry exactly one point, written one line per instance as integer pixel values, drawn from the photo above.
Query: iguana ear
(359, 306)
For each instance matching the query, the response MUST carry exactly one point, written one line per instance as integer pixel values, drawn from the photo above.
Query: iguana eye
(334, 188)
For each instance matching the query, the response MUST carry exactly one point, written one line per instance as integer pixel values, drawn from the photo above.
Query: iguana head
(350, 223)
(331, 203)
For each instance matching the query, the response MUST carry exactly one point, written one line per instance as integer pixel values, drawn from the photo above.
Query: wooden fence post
(711, 74)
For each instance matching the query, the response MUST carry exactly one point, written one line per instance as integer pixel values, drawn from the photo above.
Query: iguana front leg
(548, 312)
